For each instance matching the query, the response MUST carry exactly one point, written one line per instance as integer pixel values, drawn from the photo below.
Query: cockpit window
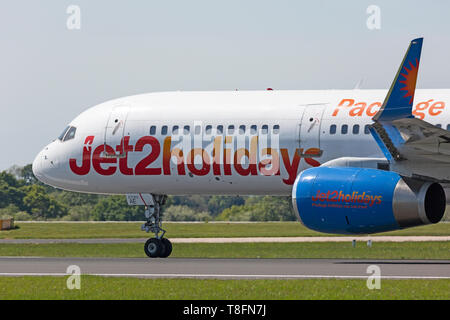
(61, 137)
(70, 134)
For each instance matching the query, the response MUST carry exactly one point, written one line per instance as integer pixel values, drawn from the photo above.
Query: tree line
(23, 197)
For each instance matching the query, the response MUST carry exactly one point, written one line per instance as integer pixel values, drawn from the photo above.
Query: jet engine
(363, 200)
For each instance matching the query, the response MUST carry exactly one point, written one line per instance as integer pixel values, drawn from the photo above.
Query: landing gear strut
(157, 247)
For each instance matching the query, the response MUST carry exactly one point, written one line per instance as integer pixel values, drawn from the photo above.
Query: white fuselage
(236, 142)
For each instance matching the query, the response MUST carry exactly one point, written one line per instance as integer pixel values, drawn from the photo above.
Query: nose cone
(37, 167)
(46, 165)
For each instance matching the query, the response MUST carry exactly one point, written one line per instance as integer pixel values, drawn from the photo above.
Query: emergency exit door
(310, 126)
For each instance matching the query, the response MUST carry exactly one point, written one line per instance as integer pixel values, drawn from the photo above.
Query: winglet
(399, 100)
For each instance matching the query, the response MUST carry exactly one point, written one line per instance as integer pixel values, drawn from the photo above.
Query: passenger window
(264, 129)
(333, 129)
(208, 129)
(70, 134)
(164, 130)
(230, 129)
(220, 129)
(344, 129)
(439, 125)
(61, 136)
(253, 129)
(152, 130)
(276, 129)
(448, 127)
(367, 129)
(242, 129)
(356, 129)
(175, 130)
(186, 130)
(197, 130)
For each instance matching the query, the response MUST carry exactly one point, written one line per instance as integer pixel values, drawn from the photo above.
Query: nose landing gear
(157, 247)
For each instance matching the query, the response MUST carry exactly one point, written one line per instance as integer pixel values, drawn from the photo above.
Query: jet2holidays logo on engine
(335, 198)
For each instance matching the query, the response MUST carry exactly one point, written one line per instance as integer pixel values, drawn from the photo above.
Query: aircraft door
(310, 128)
(115, 130)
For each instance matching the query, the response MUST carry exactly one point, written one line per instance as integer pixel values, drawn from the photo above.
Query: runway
(227, 268)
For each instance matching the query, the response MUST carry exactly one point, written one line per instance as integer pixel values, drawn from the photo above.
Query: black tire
(167, 245)
(153, 248)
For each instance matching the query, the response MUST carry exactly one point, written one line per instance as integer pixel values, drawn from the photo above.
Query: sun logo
(410, 80)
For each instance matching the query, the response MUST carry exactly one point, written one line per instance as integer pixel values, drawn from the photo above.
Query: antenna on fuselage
(359, 84)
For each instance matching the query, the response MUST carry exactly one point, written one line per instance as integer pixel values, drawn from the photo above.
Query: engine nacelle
(361, 200)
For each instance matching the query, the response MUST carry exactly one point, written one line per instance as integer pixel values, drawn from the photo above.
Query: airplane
(354, 161)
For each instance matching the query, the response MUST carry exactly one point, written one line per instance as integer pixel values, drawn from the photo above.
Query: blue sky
(50, 74)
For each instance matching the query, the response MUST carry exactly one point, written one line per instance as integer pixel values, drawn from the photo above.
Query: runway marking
(231, 276)
(236, 240)
(313, 239)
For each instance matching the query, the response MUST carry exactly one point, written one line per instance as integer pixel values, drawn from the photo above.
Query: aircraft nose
(37, 166)
(45, 165)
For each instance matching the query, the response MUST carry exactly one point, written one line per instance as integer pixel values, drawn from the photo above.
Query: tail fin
(399, 100)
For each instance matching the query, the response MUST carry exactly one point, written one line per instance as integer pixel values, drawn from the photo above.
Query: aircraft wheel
(167, 245)
(153, 247)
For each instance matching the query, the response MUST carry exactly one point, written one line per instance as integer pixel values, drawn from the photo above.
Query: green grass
(187, 230)
(379, 250)
(93, 287)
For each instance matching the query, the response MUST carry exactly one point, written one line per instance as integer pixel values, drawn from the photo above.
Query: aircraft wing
(413, 147)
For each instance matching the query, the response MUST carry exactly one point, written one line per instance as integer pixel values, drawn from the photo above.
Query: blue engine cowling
(361, 200)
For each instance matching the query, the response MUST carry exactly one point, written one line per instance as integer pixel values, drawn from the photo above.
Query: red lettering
(291, 166)
(216, 155)
(205, 162)
(311, 161)
(178, 153)
(227, 157)
(273, 162)
(142, 166)
(98, 160)
(270, 165)
(251, 169)
(125, 147)
(167, 155)
(85, 161)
